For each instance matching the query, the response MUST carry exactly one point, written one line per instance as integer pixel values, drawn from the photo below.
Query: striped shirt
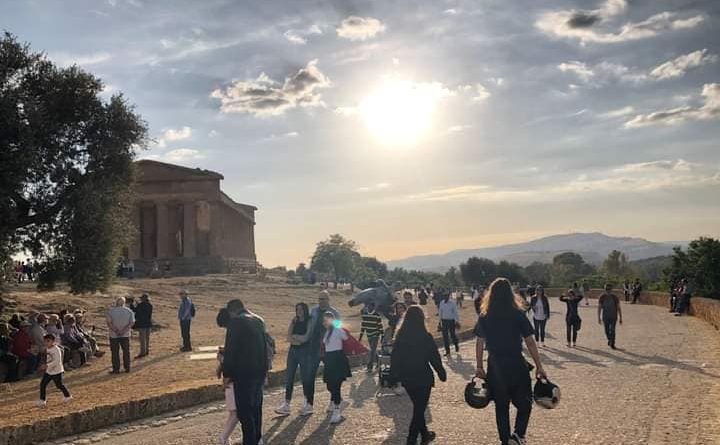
(371, 324)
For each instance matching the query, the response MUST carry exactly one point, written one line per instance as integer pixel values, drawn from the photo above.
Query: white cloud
(213, 134)
(478, 92)
(641, 177)
(172, 135)
(451, 11)
(266, 97)
(375, 187)
(178, 155)
(682, 64)
(620, 112)
(595, 26)
(66, 59)
(299, 36)
(709, 110)
(288, 135)
(578, 68)
(360, 28)
(458, 128)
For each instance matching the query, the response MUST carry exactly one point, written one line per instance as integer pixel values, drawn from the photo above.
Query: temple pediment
(157, 171)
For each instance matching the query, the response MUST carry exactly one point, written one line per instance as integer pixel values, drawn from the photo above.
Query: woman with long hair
(572, 317)
(540, 306)
(501, 329)
(413, 359)
(337, 366)
(298, 337)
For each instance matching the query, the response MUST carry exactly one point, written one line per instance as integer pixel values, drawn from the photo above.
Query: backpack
(192, 310)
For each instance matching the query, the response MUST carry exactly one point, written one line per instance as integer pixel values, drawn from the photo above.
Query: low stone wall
(107, 415)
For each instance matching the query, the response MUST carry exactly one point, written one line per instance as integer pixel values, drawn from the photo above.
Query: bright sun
(400, 112)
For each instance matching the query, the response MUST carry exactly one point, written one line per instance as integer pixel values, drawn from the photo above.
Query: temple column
(162, 229)
(216, 230)
(189, 227)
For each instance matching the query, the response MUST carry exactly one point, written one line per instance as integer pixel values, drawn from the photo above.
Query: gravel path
(662, 387)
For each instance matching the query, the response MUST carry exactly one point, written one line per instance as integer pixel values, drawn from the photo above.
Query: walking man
(245, 364)
(120, 320)
(143, 324)
(373, 328)
(186, 312)
(449, 320)
(609, 313)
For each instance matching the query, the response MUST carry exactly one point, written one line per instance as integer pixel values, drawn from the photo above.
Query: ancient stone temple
(186, 225)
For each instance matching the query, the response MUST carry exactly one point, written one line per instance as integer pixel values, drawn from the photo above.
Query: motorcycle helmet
(546, 394)
(477, 396)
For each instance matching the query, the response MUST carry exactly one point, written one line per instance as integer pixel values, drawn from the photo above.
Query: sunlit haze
(418, 127)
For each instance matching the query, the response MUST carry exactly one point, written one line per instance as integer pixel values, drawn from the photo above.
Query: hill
(594, 247)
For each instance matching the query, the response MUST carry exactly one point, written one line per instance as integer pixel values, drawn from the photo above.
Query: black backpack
(192, 310)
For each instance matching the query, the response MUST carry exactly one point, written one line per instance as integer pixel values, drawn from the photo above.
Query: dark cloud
(582, 19)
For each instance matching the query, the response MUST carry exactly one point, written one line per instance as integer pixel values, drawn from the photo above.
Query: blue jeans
(297, 357)
(313, 361)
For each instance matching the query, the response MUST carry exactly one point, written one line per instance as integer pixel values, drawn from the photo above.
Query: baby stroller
(385, 379)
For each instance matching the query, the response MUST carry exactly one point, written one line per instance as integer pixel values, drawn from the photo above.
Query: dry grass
(166, 369)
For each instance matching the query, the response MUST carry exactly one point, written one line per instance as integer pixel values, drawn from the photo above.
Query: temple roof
(173, 172)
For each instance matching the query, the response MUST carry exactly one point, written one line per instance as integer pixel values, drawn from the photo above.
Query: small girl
(337, 366)
(53, 371)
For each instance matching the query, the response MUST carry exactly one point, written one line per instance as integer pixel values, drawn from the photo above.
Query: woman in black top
(572, 317)
(298, 336)
(414, 356)
(501, 328)
(540, 306)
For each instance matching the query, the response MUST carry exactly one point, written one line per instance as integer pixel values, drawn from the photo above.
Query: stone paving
(661, 387)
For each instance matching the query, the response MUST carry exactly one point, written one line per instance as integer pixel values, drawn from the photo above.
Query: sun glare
(401, 112)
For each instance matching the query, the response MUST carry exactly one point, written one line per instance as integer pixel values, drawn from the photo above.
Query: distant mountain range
(594, 248)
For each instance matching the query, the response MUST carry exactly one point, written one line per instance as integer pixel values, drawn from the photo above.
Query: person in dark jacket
(540, 306)
(502, 327)
(245, 365)
(143, 323)
(413, 359)
(572, 317)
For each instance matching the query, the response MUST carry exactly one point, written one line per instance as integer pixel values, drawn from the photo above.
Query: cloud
(375, 187)
(172, 135)
(299, 36)
(620, 112)
(643, 177)
(360, 28)
(595, 26)
(288, 135)
(709, 110)
(458, 128)
(478, 91)
(680, 65)
(66, 59)
(266, 97)
(178, 155)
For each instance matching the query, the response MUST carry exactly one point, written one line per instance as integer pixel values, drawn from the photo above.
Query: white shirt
(334, 340)
(448, 310)
(539, 310)
(54, 361)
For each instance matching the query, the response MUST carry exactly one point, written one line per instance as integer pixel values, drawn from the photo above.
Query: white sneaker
(41, 403)
(307, 409)
(517, 440)
(336, 416)
(67, 399)
(330, 408)
(260, 442)
(284, 409)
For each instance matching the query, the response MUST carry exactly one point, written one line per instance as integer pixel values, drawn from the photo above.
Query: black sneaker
(427, 439)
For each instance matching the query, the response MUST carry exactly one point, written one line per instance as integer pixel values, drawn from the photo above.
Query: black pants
(12, 362)
(249, 401)
(115, 345)
(420, 396)
(636, 295)
(610, 325)
(509, 381)
(185, 333)
(448, 333)
(571, 331)
(539, 329)
(335, 388)
(57, 379)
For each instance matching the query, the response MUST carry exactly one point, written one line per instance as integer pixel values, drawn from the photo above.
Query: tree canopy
(65, 165)
(700, 264)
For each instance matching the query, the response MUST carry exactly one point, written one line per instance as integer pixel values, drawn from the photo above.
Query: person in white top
(540, 306)
(449, 321)
(120, 320)
(53, 371)
(337, 366)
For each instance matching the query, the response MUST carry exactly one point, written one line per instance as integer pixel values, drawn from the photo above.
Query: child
(232, 419)
(337, 367)
(53, 371)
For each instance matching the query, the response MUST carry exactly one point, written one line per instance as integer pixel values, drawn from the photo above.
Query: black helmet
(477, 397)
(546, 394)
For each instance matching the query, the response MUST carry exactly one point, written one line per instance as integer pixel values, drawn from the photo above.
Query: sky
(418, 126)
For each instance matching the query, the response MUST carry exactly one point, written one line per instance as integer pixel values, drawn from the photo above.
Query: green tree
(539, 273)
(700, 264)
(478, 271)
(453, 278)
(616, 267)
(511, 271)
(336, 257)
(569, 267)
(65, 165)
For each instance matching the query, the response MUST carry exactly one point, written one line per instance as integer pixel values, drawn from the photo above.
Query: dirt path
(662, 387)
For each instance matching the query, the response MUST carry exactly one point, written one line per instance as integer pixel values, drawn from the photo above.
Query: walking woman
(337, 367)
(572, 317)
(413, 359)
(501, 329)
(540, 306)
(298, 356)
